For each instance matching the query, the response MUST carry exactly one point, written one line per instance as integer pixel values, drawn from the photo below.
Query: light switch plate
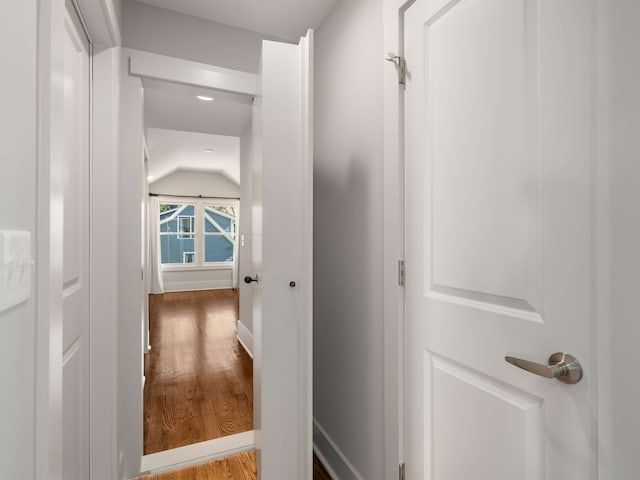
(15, 268)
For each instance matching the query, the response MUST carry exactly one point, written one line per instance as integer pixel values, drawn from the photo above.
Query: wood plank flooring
(199, 379)
(199, 382)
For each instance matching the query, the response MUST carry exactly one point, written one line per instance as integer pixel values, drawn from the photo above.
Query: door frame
(603, 321)
(393, 220)
(99, 19)
(136, 66)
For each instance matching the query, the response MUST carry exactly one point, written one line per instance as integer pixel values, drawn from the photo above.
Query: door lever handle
(248, 279)
(562, 366)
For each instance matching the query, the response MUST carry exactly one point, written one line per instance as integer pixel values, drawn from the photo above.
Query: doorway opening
(198, 372)
(275, 157)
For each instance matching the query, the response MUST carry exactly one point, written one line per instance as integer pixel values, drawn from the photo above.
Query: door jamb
(48, 407)
(393, 14)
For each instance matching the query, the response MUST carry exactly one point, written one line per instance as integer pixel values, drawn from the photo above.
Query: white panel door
(282, 216)
(499, 251)
(75, 393)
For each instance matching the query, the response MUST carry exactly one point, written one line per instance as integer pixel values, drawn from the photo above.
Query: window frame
(199, 233)
(192, 231)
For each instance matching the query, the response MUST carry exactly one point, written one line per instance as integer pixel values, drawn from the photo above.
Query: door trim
(103, 258)
(100, 18)
(48, 448)
(393, 13)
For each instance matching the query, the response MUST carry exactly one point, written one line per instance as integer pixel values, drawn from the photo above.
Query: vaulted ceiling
(171, 150)
(285, 19)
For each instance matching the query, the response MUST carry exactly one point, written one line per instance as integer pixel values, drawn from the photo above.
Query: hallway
(199, 379)
(199, 382)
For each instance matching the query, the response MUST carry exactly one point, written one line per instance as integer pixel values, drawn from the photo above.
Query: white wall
(245, 231)
(188, 182)
(208, 184)
(18, 94)
(169, 33)
(348, 312)
(130, 284)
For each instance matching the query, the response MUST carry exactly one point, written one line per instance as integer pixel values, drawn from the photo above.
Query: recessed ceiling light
(208, 150)
(204, 99)
(150, 177)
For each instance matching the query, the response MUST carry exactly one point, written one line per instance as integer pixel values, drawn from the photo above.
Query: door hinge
(401, 66)
(142, 273)
(401, 273)
(401, 471)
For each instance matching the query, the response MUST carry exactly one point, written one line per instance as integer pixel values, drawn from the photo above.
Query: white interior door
(499, 250)
(282, 253)
(75, 294)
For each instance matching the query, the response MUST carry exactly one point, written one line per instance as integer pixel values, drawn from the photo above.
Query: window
(197, 233)
(185, 225)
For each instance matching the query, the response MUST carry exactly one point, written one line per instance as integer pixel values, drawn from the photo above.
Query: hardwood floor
(199, 379)
(199, 382)
(319, 472)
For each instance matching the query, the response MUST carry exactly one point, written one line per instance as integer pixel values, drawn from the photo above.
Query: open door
(282, 252)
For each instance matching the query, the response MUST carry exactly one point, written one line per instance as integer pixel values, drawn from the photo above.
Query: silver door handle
(562, 366)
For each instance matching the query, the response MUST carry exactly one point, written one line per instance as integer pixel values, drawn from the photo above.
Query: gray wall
(348, 291)
(620, 385)
(117, 7)
(18, 95)
(169, 33)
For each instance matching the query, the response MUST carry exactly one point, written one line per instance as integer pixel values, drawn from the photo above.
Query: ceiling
(175, 107)
(171, 150)
(285, 19)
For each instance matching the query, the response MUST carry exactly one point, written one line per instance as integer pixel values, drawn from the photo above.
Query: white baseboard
(245, 337)
(325, 463)
(202, 285)
(202, 452)
(336, 463)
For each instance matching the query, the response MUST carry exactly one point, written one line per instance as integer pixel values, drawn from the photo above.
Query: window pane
(176, 218)
(218, 248)
(173, 249)
(220, 218)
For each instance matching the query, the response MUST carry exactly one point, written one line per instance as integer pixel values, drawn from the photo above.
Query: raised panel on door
(75, 292)
(498, 249)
